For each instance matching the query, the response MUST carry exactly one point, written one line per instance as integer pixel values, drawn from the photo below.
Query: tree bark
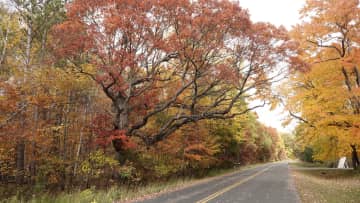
(357, 74)
(355, 158)
(28, 48)
(33, 143)
(20, 162)
(121, 114)
(5, 41)
(347, 80)
(81, 137)
(121, 122)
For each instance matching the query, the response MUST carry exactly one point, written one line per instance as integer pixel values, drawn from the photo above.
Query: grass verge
(301, 164)
(331, 186)
(114, 194)
(123, 194)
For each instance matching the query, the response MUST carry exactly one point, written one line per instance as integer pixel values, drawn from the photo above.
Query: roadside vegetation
(302, 164)
(110, 195)
(124, 193)
(330, 186)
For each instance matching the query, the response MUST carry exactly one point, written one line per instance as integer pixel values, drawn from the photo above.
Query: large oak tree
(193, 60)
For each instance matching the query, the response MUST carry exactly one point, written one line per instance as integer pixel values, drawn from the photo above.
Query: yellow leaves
(10, 34)
(96, 163)
(53, 179)
(194, 157)
(88, 68)
(192, 145)
(274, 103)
(320, 95)
(286, 122)
(199, 150)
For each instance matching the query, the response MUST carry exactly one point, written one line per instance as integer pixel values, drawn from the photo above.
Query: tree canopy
(324, 93)
(191, 59)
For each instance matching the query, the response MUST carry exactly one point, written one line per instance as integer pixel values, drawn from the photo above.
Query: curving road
(268, 183)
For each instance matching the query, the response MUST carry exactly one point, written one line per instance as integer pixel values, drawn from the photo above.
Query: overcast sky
(277, 12)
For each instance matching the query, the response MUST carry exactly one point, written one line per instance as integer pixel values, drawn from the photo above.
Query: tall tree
(326, 89)
(194, 59)
(9, 40)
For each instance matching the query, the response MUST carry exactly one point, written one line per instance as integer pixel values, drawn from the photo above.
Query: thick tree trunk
(355, 158)
(121, 122)
(354, 100)
(117, 143)
(121, 116)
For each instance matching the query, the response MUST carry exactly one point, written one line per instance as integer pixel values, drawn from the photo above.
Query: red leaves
(227, 74)
(123, 142)
(103, 129)
(106, 135)
(71, 39)
(129, 43)
(118, 138)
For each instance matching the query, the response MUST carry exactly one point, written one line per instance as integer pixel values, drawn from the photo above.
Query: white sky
(277, 12)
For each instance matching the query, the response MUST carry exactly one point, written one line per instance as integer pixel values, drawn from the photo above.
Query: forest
(98, 93)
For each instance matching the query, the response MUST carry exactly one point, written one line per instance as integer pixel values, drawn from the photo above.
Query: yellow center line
(220, 192)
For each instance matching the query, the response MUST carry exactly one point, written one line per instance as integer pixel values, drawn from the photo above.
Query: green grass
(331, 186)
(114, 194)
(123, 194)
(306, 164)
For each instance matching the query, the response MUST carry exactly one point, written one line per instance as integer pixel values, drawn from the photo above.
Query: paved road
(268, 183)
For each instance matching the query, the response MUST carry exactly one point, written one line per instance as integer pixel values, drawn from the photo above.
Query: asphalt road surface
(268, 183)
